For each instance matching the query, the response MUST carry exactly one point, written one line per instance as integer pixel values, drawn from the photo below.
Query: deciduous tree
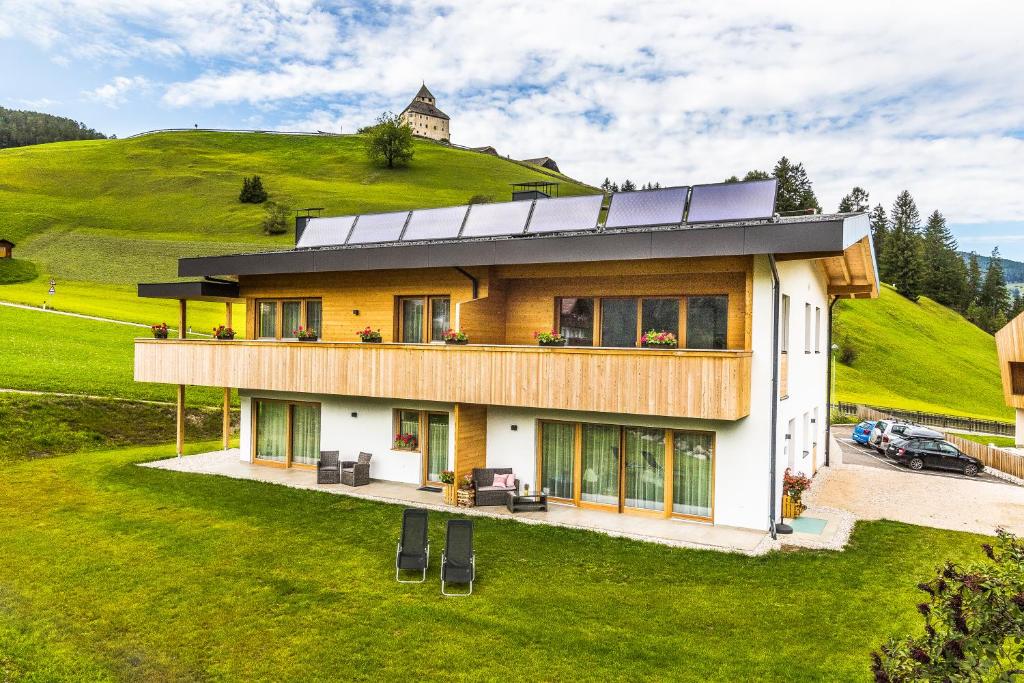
(389, 141)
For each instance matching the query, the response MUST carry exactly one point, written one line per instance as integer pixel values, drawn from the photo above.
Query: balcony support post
(182, 318)
(227, 314)
(180, 420)
(226, 429)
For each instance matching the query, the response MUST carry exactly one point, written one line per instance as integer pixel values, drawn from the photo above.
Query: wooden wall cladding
(1010, 348)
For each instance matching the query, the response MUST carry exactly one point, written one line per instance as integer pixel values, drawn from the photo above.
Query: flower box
(450, 494)
(223, 333)
(159, 331)
(659, 340)
(307, 339)
(559, 342)
(451, 336)
(456, 342)
(369, 336)
(792, 508)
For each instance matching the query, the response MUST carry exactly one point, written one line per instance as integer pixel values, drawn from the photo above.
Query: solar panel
(326, 232)
(647, 207)
(567, 213)
(378, 227)
(750, 200)
(495, 220)
(435, 224)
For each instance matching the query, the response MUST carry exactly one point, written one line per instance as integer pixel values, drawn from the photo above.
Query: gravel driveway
(876, 490)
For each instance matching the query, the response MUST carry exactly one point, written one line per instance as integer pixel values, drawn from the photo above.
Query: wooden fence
(994, 458)
(964, 424)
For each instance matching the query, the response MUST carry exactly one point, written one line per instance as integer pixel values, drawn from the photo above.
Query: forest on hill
(20, 128)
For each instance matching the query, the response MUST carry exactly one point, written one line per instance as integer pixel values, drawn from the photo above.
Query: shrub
(252, 191)
(276, 222)
(847, 351)
(973, 623)
(481, 199)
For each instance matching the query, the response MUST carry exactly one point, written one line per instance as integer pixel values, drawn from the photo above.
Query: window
(660, 315)
(618, 322)
(576, 320)
(807, 328)
(423, 318)
(558, 448)
(278, 319)
(707, 321)
(948, 450)
(407, 430)
(287, 434)
(817, 329)
(692, 473)
(1017, 378)
(785, 323)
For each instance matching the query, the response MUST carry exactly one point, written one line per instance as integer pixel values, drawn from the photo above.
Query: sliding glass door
(558, 446)
(436, 457)
(271, 431)
(600, 465)
(286, 433)
(692, 474)
(644, 468)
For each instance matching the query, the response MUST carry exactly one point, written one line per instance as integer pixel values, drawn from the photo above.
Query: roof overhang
(799, 237)
(202, 290)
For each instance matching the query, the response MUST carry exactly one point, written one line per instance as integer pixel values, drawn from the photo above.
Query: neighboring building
(691, 433)
(486, 149)
(6, 249)
(544, 162)
(425, 119)
(1010, 347)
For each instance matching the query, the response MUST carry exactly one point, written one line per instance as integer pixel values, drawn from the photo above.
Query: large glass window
(407, 430)
(287, 433)
(618, 322)
(291, 318)
(314, 316)
(645, 468)
(267, 323)
(692, 471)
(576, 320)
(412, 321)
(305, 434)
(600, 464)
(707, 322)
(440, 309)
(272, 431)
(660, 315)
(558, 447)
(423, 319)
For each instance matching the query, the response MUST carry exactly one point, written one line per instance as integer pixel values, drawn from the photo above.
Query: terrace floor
(671, 532)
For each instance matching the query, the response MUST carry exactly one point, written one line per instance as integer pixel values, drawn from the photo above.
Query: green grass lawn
(17, 270)
(985, 439)
(38, 426)
(59, 353)
(125, 572)
(919, 356)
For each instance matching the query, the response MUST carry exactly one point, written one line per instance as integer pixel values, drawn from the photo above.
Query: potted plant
(552, 338)
(306, 334)
(159, 331)
(793, 487)
(405, 442)
(223, 332)
(447, 480)
(659, 340)
(451, 336)
(370, 336)
(466, 495)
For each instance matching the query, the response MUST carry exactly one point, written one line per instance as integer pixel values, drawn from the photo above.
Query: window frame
(807, 327)
(817, 329)
(396, 428)
(303, 302)
(289, 432)
(597, 333)
(784, 323)
(428, 317)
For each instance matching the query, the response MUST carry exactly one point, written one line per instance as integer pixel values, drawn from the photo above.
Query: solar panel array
(671, 206)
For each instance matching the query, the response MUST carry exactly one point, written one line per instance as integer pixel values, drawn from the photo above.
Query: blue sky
(884, 95)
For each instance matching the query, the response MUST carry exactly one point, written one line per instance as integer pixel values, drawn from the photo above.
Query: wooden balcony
(697, 384)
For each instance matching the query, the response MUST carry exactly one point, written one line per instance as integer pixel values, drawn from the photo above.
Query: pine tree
(970, 295)
(607, 185)
(628, 185)
(756, 175)
(252, 191)
(879, 235)
(1016, 304)
(857, 200)
(993, 298)
(795, 192)
(945, 276)
(901, 257)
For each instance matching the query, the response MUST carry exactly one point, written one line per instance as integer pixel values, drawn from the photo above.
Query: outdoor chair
(458, 561)
(413, 546)
(486, 493)
(328, 469)
(356, 472)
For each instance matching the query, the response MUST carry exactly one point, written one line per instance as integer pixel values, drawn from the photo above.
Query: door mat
(431, 489)
(808, 525)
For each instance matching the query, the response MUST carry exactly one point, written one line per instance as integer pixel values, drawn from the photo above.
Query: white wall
(1020, 426)
(372, 430)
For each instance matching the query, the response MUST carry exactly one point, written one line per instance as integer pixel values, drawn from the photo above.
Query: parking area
(872, 487)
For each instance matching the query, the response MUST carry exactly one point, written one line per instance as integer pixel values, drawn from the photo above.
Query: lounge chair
(356, 473)
(458, 561)
(328, 469)
(413, 545)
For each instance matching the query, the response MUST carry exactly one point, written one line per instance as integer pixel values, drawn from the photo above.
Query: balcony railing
(676, 383)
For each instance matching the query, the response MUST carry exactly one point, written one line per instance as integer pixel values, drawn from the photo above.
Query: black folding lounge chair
(458, 561)
(413, 547)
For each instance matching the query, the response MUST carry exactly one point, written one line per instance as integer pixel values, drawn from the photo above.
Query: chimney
(302, 217)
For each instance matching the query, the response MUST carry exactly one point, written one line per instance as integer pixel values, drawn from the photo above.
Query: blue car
(862, 432)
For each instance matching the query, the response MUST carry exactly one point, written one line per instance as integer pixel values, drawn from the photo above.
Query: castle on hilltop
(425, 119)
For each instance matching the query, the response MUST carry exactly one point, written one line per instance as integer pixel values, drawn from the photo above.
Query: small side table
(532, 502)
(466, 498)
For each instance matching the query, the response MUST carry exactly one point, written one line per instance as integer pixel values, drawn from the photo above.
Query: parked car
(876, 433)
(919, 453)
(862, 431)
(902, 430)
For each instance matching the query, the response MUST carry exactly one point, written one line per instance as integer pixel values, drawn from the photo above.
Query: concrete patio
(670, 532)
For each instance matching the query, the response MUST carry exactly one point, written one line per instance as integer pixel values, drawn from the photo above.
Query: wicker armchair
(356, 472)
(483, 478)
(328, 468)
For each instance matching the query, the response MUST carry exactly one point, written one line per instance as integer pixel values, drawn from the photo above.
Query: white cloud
(887, 95)
(115, 93)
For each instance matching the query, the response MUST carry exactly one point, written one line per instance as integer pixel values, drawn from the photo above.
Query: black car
(919, 453)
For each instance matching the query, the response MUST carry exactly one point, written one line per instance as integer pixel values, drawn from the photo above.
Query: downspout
(828, 384)
(474, 280)
(775, 528)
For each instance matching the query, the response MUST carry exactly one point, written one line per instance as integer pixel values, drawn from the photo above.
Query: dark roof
(821, 234)
(546, 162)
(424, 108)
(7, 242)
(203, 290)
(486, 149)
(425, 93)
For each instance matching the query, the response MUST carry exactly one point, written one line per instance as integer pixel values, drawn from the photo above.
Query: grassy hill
(919, 356)
(99, 216)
